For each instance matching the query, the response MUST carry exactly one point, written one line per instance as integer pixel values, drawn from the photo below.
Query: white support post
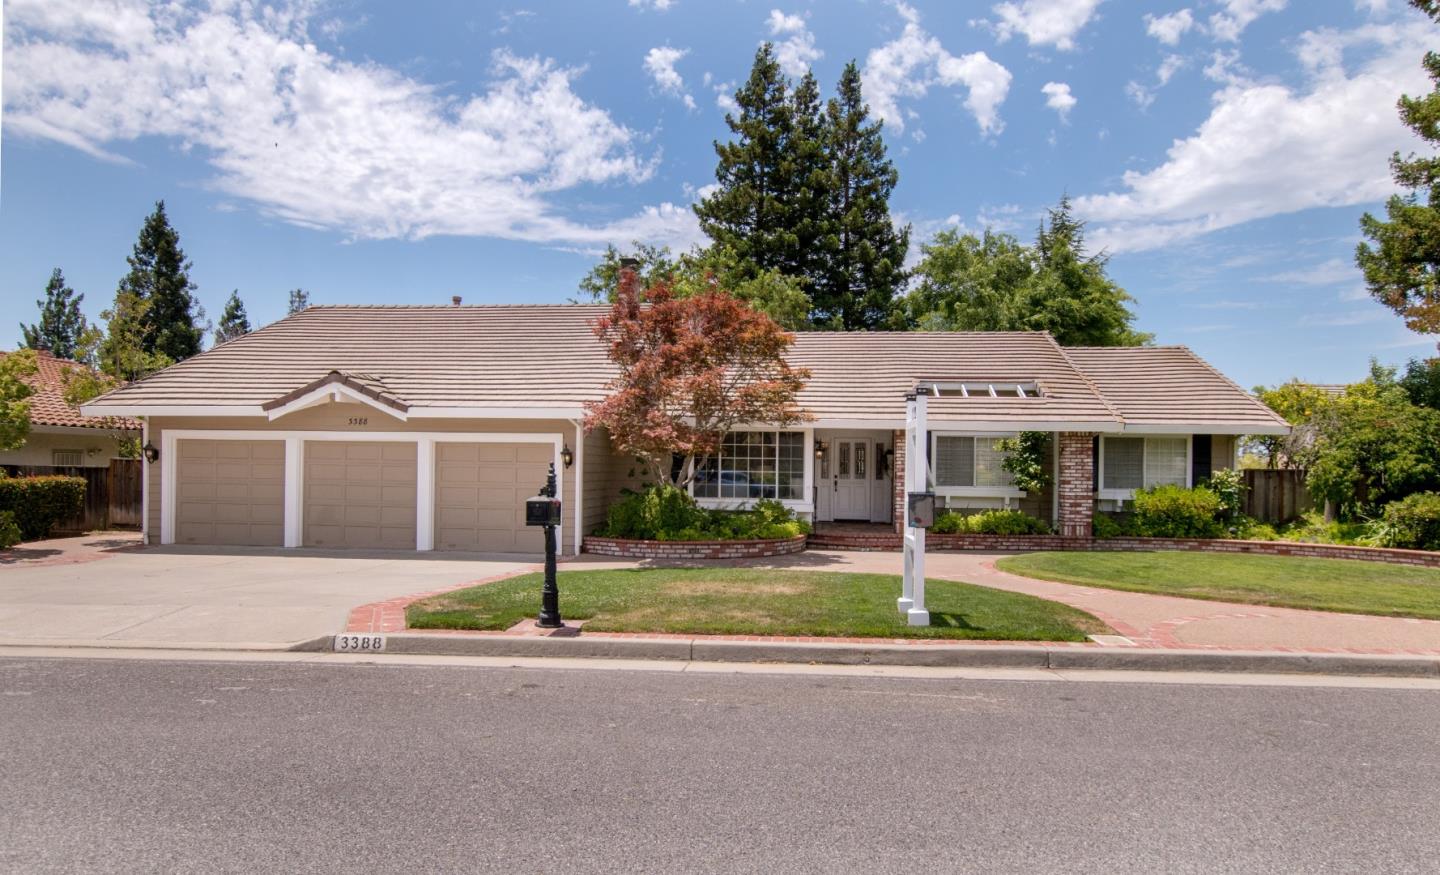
(919, 439)
(907, 534)
(425, 494)
(294, 482)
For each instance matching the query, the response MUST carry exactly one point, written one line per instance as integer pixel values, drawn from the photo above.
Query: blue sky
(1222, 150)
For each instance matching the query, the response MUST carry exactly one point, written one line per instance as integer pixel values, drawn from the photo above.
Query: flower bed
(681, 551)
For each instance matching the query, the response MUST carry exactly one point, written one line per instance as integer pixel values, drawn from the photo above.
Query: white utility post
(912, 593)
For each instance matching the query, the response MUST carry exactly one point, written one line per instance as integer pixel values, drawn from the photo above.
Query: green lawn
(728, 601)
(1347, 585)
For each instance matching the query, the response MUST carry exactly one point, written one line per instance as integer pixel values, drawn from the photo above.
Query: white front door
(850, 476)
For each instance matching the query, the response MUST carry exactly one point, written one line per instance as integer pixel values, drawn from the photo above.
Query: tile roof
(1150, 385)
(546, 356)
(48, 405)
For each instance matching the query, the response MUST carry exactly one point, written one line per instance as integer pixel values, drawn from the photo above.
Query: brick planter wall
(1032, 543)
(682, 551)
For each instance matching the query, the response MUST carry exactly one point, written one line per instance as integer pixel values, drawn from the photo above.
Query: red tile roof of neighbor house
(48, 405)
(524, 357)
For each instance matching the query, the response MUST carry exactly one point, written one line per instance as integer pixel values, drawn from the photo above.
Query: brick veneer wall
(679, 551)
(1075, 480)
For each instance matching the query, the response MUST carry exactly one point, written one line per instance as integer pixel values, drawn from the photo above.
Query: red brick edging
(692, 550)
(1026, 543)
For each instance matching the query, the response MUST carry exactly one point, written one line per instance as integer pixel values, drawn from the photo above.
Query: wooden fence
(112, 495)
(1276, 495)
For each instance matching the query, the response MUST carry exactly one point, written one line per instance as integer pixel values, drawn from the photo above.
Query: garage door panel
(360, 494)
(230, 492)
(480, 493)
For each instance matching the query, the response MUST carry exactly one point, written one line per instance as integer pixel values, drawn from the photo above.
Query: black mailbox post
(544, 510)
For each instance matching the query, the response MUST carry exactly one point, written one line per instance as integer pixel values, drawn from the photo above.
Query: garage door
(230, 493)
(480, 492)
(360, 494)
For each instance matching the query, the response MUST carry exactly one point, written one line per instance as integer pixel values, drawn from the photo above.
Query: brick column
(897, 480)
(1075, 481)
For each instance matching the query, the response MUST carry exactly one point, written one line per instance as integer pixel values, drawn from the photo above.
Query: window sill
(979, 492)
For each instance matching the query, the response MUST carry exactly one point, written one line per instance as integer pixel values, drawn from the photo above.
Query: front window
(1134, 462)
(964, 461)
(753, 465)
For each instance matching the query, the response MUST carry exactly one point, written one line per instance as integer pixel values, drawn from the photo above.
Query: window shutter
(1200, 460)
(1094, 463)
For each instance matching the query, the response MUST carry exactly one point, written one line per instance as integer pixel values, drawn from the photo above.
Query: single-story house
(426, 427)
(60, 435)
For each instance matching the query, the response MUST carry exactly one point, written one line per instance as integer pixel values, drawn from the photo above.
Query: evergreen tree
(750, 212)
(61, 321)
(299, 300)
(233, 321)
(160, 277)
(120, 350)
(865, 253)
(1402, 271)
(808, 166)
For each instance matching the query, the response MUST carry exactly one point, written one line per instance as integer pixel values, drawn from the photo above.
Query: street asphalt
(151, 766)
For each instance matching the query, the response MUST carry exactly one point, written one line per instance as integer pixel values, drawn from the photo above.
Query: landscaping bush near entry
(38, 503)
(1413, 521)
(1177, 512)
(667, 513)
(9, 531)
(989, 522)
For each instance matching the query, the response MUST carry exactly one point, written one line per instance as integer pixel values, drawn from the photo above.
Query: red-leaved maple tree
(691, 370)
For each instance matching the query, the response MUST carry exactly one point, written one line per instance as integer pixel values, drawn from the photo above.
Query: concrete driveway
(106, 590)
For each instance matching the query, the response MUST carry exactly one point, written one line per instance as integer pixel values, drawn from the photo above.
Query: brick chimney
(455, 300)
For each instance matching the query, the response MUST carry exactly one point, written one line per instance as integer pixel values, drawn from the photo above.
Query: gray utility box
(922, 509)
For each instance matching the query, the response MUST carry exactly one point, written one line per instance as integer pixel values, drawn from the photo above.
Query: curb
(1031, 656)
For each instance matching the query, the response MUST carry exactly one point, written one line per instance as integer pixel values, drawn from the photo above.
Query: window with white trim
(967, 461)
(987, 390)
(67, 458)
(1130, 463)
(753, 465)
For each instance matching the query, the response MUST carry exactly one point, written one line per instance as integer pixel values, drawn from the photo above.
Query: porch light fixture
(151, 452)
(820, 448)
(567, 456)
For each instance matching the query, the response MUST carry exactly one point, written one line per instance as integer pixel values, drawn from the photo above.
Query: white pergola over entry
(917, 470)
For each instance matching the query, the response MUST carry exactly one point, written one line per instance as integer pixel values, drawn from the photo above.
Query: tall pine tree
(750, 212)
(233, 320)
(864, 252)
(61, 322)
(160, 277)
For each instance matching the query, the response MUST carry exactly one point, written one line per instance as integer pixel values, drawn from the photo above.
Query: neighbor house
(426, 427)
(60, 435)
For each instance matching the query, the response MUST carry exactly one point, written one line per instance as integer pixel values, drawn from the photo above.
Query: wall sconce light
(567, 456)
(151, 452)
(820, 448)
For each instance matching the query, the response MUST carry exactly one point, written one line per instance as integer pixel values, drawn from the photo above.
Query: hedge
(38, 503)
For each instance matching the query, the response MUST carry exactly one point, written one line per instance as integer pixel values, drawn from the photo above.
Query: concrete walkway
(1147, 620)
(104, 590)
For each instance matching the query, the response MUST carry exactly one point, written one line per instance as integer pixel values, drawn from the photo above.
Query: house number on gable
(359, 420)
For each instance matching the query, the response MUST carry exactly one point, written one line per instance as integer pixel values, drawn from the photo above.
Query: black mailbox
(922, 509)
(542, 511)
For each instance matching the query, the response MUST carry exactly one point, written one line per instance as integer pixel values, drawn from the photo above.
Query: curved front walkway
(1147, 620)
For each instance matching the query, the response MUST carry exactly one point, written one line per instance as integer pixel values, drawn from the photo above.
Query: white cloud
(1267, 150)
(1331, 272)
(1044, 22)
(725, 97)
(911, 64)
(1169, 28)
(657, 5)
(1236, 15)
(1142, 96)
(660, 64)
(1348, 317)
(1168, 68)
(316, 140)
(796, 52)
(1059, 98)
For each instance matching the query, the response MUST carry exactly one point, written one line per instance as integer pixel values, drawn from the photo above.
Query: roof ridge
(1079, 372)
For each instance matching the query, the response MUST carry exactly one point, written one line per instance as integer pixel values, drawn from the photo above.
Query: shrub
(1228, 486)
(1412, 522)
(1177, 512)
(1106, 526)
(989, 522)
(1250, 529)
(9, 530)
(668, 513)
(38, 503)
